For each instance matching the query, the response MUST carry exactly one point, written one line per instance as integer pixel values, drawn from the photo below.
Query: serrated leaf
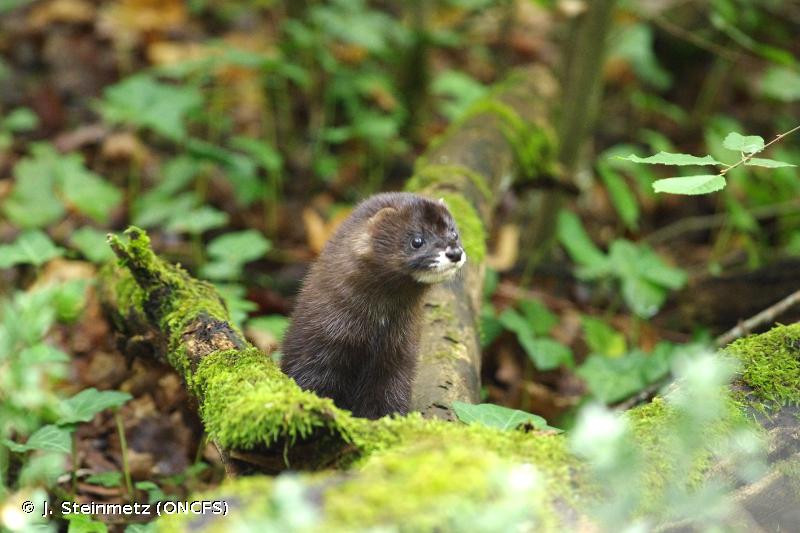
(667, 158)
(691, 185)
(83, 406)
(49, 437)
(767, 163)
(31, 247)
(496, 416)
(749, 144)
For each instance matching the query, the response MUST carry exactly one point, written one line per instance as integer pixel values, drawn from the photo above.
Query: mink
(354, 330)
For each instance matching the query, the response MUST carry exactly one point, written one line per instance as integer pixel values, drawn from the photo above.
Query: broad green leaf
(81, 523)
(748, 144)
(613, 380)
(33, 202)
(643, 297)
(781, 83)
(267, 156)
(83, 406)
(43, 469)
(42, 353)
(547, 354)
(496, 416)
(31, 247)
(50, 437)
(153, 209)
(239, 247)
(702, 184)
(603, 339)
(767, 163)
(666, 158)
(198, 220)
(85, 190)
(112, 478)
(621, 196)
(576, 241)
(91, 243)
(142, 101)
(540, 318)
(20, 119)
(69, 299)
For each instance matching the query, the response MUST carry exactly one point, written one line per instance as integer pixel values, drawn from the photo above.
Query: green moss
(771, 364)
(247, 402)
(470, 226)
(443, 175)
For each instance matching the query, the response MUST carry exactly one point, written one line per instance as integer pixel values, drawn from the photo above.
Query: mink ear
(363, 241)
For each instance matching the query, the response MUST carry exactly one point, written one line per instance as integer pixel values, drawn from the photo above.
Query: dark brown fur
(353, 335)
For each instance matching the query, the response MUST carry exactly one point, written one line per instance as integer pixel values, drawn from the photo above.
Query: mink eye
(454, 235)
(417, 242)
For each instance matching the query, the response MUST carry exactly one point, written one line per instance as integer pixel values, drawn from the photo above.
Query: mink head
(413, 236)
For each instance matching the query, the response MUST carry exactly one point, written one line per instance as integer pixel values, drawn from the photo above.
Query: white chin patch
(441, 270)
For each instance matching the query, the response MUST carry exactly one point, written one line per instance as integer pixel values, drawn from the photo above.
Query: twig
(748, 157)
(706, 222)
(767, 315)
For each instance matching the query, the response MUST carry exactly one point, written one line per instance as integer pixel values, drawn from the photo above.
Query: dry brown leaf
(124, 145)
(65, 11)
(318, 231)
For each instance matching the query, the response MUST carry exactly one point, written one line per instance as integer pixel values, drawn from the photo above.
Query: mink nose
(453, 254)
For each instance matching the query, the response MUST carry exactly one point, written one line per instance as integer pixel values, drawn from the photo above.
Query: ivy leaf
(83, 406)
(767, 163)
(50, 437)
(667, 158)
(496, 416)
(749, 144)
(691, 185)
(143, 101)
(31, 247)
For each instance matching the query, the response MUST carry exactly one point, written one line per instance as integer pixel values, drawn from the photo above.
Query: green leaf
(91, 243)
(43, 353)
(239, 247)
(83, 406)
(666, 158)
(701, 184)
(613, 380)
(142, 101)
(635, 44)
(81, 523)
(576, 241)
(643, 297)
(622, 197)
(20, 119)
(546, 354)
(31, 247)
(42, 468)
(748, 144)
(112, 478)
(50, 437)
(496, 416)
(85, 190)
(458, 90)
(767, 163)
(602, 338)
(69, 299)
(198, 220)
(781, 83)
(540, 318)
(33, 202)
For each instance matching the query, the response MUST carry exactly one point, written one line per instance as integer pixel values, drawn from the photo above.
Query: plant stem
(748, 157)
(123, 444)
